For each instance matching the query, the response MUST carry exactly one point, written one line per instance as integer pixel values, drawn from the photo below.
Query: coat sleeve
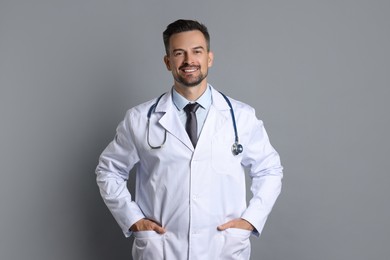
(266, 174)
(112, 172)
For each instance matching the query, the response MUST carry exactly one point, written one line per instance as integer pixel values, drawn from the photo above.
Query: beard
(191, 81)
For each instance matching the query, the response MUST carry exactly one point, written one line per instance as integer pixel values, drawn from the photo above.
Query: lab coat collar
(215, 120)
(218, 101)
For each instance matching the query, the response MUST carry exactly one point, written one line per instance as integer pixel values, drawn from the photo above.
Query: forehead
(186, 40)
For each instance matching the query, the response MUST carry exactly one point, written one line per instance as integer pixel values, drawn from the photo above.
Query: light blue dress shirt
(204, 101)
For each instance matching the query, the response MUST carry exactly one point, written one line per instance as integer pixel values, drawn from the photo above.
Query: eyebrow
(199, 47)
(195, 48)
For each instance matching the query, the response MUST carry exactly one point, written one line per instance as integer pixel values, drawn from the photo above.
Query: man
(190, 198)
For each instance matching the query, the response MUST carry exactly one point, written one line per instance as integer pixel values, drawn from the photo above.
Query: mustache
(186, 65)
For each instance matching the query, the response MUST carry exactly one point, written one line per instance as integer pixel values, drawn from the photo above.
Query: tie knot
(191, 107)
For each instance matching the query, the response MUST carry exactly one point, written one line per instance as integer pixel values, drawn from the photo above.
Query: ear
(167, 62)
(210, 59)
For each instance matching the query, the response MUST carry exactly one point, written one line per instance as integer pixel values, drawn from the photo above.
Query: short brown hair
(184, 26)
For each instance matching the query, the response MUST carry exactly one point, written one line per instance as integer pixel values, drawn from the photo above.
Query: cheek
(172, 64)
(175, 65)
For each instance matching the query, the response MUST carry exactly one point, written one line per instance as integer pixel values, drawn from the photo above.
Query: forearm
(118, 200)
(265, 190)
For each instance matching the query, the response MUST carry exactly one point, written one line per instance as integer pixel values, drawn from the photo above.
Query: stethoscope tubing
(236, 147)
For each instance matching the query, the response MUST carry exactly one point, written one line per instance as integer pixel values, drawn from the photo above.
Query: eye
(178, 53)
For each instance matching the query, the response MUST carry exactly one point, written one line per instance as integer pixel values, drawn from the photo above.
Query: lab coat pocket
(237, 244)
(148, 245)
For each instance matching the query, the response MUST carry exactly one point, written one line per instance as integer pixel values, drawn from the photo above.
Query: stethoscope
(237, 148)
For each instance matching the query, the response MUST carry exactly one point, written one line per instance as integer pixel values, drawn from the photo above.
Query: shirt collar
(204, 100)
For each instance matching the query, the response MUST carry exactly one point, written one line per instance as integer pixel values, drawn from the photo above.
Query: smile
(189, 69)
(192, 70)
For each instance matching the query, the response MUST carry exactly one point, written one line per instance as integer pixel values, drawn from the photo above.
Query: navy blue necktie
(191, 123)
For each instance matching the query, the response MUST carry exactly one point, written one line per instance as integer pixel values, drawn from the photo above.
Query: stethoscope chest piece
(237, 149)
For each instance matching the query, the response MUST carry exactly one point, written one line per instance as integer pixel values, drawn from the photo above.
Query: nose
(188, 58)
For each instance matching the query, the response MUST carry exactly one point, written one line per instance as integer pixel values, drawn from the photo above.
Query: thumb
(159, 229)
(225, 226)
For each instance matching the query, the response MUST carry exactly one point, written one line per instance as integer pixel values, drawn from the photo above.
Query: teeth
(192, 70)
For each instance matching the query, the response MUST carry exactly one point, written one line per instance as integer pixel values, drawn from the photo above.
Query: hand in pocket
(147, 225)
(236, 223)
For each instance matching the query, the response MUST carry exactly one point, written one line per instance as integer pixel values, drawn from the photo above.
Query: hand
(147, 225)
(236, 223)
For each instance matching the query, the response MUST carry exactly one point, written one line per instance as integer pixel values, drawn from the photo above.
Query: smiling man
(190, 199)
(188, 58)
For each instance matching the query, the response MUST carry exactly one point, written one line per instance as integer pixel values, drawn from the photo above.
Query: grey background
(317, 73)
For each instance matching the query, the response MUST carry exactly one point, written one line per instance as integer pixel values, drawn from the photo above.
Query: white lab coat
(190, 192)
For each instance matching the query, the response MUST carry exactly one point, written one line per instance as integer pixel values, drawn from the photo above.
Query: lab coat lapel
(216, 120)
(170, 120)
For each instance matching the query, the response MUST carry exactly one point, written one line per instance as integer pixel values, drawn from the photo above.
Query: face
(188, 59)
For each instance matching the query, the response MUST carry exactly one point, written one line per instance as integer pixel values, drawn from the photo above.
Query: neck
(191, 93)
